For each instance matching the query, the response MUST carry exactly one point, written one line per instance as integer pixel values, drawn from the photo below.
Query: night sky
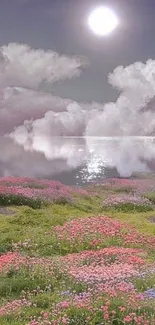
(60, 25)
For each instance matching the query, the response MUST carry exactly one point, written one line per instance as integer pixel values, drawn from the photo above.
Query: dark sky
(61, 25)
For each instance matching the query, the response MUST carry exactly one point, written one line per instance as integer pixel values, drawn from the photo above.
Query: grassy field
(78, 257)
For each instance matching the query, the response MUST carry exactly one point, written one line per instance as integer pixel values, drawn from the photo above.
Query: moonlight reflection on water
(77, 161)
(117, 157)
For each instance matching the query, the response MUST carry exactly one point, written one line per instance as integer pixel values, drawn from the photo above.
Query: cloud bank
(31, 116)
(128, 116)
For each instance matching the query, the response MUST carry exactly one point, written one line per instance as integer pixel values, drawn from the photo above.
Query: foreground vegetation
(73, 256)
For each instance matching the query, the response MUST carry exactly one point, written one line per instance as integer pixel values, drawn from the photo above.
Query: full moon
(102, 21)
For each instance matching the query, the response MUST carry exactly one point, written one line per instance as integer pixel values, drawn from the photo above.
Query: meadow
(77, 256)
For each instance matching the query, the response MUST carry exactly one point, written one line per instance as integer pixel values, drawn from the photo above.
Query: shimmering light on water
(79, 160)
(115, 157)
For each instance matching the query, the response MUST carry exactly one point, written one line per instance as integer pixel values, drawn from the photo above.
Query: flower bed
(97, 231)
(127, 202)
(34, 192)
(99, 271)
(133, 185)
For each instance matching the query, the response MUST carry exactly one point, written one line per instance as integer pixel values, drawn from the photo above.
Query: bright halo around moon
(102, 21)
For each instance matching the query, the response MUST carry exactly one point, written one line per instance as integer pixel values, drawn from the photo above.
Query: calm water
(78, 161)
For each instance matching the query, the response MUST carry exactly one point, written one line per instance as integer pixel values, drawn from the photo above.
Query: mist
(82, 159)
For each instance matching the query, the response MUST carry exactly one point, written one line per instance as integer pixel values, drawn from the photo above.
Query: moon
(102, 21)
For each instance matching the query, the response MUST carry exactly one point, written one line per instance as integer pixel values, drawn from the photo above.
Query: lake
(80, 160)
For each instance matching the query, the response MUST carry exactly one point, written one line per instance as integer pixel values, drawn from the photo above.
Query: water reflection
(78, 160)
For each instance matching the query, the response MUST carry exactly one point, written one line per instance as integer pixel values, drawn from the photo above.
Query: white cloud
(19, 104)
(64, 156)
(57, 155)
(28, 68)
(129, 114)
(24, 76)
(37, 135)
(38, 116)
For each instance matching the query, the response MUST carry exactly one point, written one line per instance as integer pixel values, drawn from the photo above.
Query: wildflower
(127, 319)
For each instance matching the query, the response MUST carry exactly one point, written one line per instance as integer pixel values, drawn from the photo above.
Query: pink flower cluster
(114, 200)
(108, 265)
(107, 273)
(97, 229)
(13, 306)
(11, 259)
(35, 188)
(15, 260)
(93, 227)
(105, 256)
(96, 281)
(137, 185)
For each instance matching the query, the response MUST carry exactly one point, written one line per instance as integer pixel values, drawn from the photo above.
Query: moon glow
(102, 21)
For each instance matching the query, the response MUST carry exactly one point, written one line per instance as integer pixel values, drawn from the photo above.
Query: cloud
(19, 104)
(33, 117)
(85, 159)
(29, 68)
(131, 113)
(37, 135)
(18, 162)
(127, 154)
(26, 76)
(65, 156)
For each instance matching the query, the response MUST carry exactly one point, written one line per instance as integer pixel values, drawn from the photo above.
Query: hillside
(77, 256)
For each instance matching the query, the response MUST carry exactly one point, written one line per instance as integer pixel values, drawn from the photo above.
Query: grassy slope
(34, 225)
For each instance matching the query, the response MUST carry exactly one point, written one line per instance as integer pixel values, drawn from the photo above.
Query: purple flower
(150, 293)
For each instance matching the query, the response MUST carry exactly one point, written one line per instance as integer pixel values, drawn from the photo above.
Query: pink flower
(127, 319)
(64, 320)
(45, 315)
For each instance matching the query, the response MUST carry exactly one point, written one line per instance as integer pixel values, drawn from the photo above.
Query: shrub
(10, 199)
(127, 203)
(129, 207)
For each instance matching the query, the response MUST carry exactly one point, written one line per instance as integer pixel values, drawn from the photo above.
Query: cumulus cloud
(19, 104)
(37, 135)
(29, 68)
(129, 115)
(33, 117)
(25, 76)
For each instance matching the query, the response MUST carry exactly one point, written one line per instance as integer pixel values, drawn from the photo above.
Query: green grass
(138, 220)
(10, 320)
(26, 279)
(143, 284)
(34, 225)
(151, 197)
(19, 200)
(129, 207)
